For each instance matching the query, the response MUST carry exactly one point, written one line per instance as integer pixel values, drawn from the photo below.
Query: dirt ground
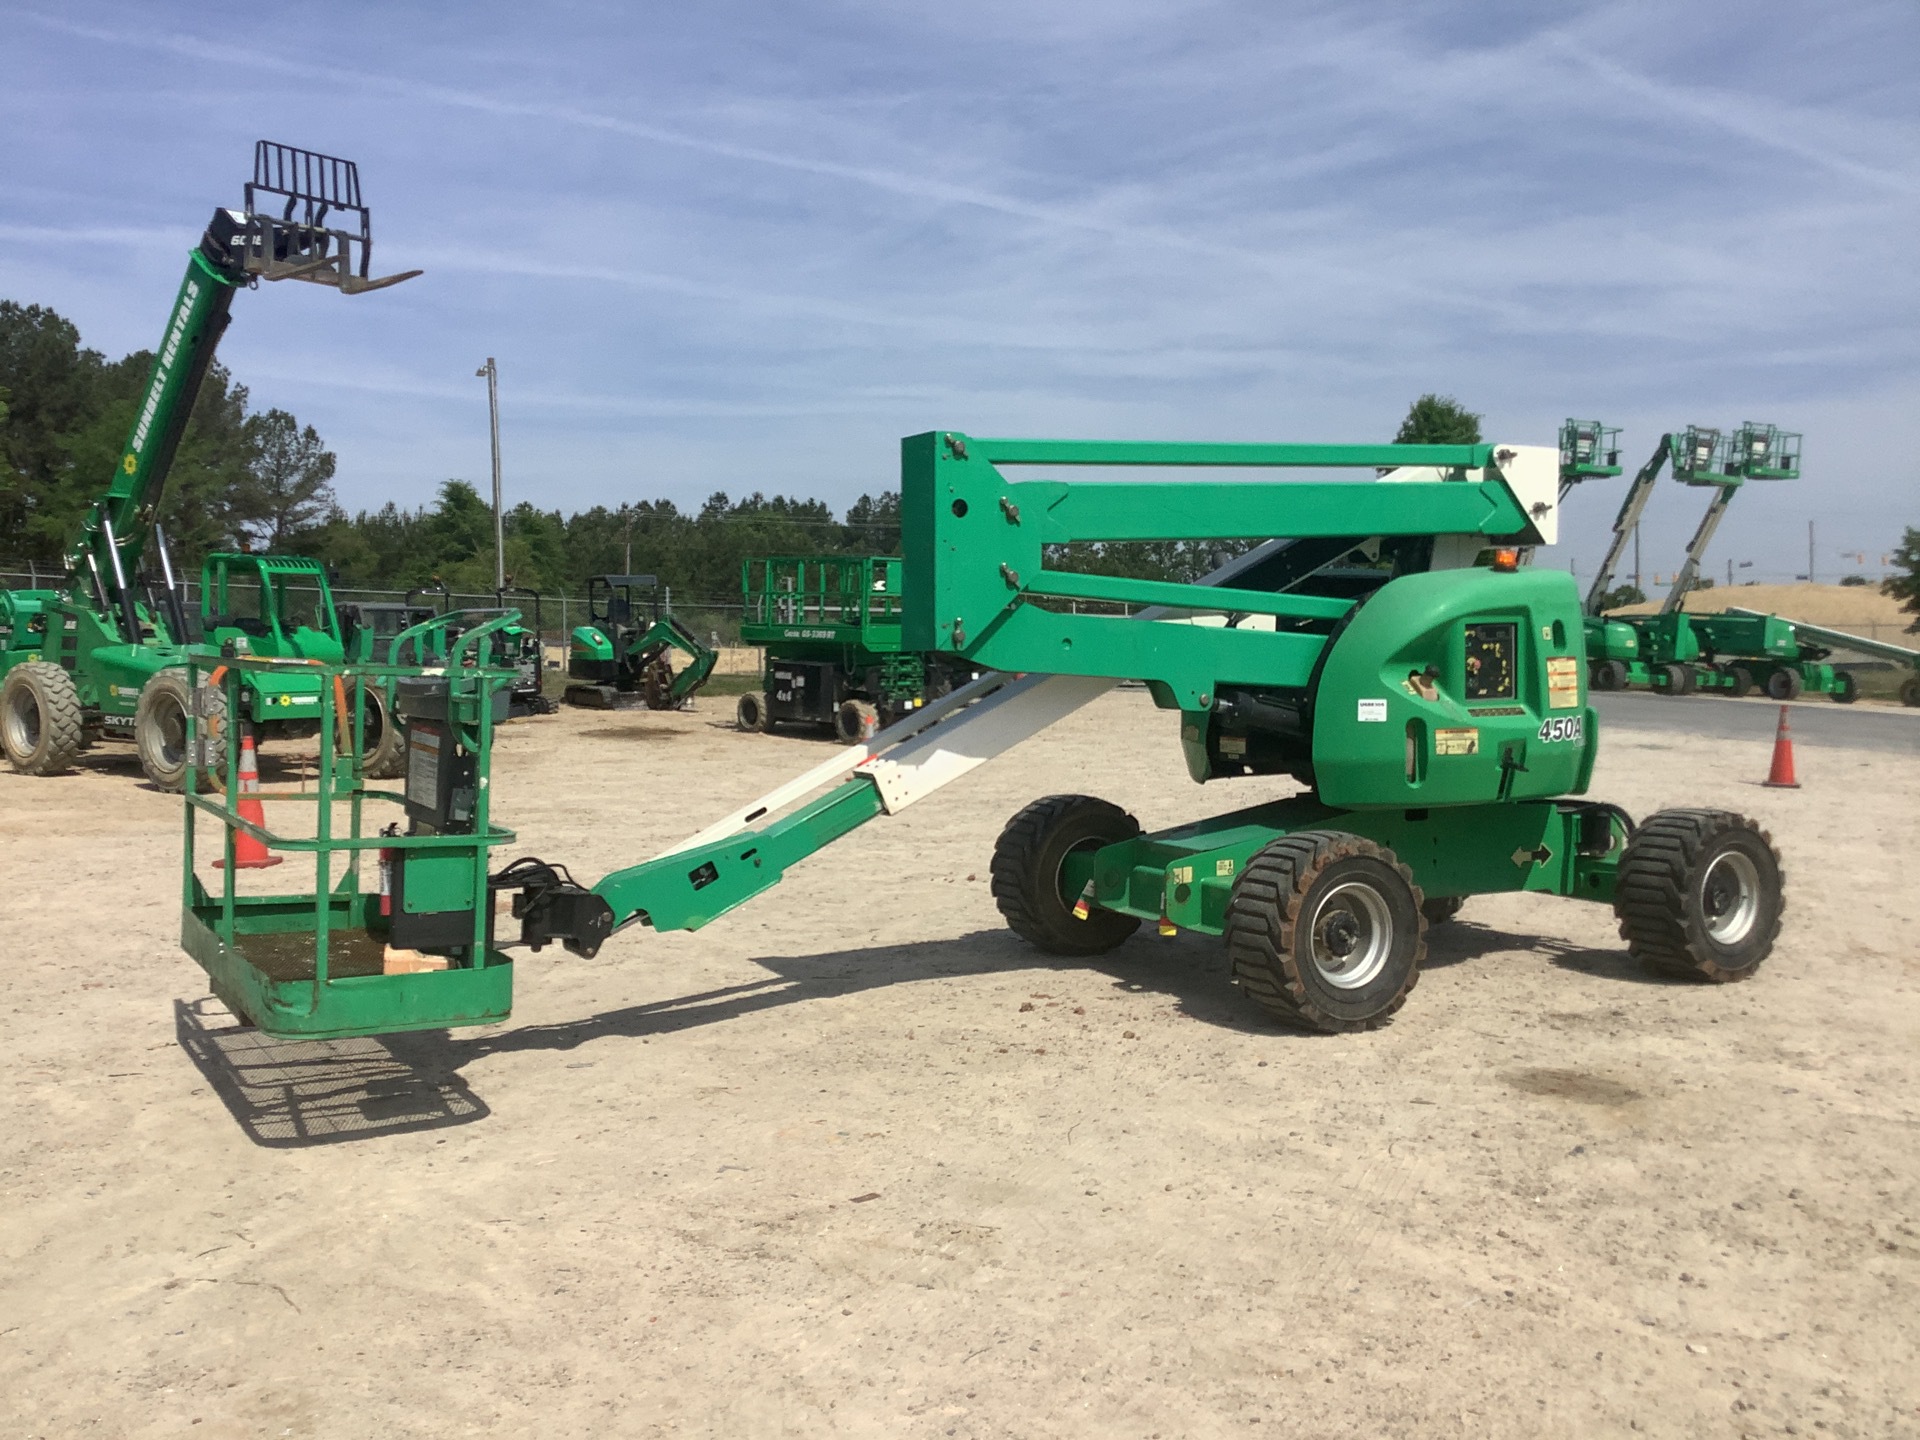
(854, 1161)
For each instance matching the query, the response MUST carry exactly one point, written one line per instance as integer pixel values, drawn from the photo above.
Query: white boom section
(987, 717)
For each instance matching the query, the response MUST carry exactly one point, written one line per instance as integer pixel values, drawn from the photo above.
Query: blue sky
(748, 246)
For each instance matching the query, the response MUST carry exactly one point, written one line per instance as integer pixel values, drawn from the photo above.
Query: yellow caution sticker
(1464, 740)
(1563, 682)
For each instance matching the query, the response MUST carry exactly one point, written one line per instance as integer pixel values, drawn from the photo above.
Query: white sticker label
(423, 767)
(1373, 710)
(1567, 727)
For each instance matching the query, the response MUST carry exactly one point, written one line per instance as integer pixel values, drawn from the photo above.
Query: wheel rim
(23, 724)
(1350, 935)
(169, 731)
(1730, 897)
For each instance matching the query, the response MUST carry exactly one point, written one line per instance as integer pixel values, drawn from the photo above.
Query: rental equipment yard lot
(854, 1160)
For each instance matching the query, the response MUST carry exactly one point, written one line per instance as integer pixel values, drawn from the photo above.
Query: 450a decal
(1568, 727)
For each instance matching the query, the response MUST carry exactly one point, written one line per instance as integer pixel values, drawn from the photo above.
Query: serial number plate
(1567, 727)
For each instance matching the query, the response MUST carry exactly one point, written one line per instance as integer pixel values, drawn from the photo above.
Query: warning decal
(1464, 740)
(1563, 683)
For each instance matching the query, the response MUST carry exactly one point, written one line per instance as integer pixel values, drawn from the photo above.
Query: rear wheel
(1910, 692)
(855, 721)
(1608, 675)
(1846, 689)
(41, 729)
(1325, 931)
(751, 713)
(1785, 684)
(1028, 861)
(1742, 681)
(1699, 893)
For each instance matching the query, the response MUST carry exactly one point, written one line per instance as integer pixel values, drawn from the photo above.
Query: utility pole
(491, 375)
(1729, 572)
(1809, 552)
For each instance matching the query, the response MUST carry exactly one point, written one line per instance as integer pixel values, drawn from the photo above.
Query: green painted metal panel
(1455, 687)
(1124, 590)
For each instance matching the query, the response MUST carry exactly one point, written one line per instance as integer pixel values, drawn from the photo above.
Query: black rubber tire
(160, 732)
(1027, 860)
(656, 685)
(1673, 886)
(1742, 681)
(1278, 900)
(1846, 689)
(1607, 675)
(751, 713)
(385, 738)
(1910, 692)
(856, 721)
(1671, 679)
(1439, 909)
(41, 727)
(1785, 684)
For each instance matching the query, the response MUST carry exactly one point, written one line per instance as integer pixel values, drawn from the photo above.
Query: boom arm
(1071, 658)
(237, 247)
(1625, 522)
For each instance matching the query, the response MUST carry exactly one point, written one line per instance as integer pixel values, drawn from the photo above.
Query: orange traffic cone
(249, 853)
(1781, 775)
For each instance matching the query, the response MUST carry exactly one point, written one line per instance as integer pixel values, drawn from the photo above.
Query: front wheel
(1742, 682)
(1699, 894)
(384, 738)
(1910, 692)
(1846, 689)
(41, 728)
(1672, 680)
(1325, 931)
(1785, 685)
(1029, 860)
(160, 731)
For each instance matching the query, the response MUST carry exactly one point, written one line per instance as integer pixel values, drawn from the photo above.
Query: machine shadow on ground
(288, 1094)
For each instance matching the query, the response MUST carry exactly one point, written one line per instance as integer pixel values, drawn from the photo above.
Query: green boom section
(199, 316)
(685, 890)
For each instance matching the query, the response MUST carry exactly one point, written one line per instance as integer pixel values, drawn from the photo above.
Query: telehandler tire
(384, 737)
(1027, 861)
(751, 713)
(1700, 894)
(160, 732)
(1785, 684)
(1325, 931)
(1608, 675)
(41, 729)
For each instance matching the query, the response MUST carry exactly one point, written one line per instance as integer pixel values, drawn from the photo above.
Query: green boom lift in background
(1433, 709)
(830, 627)
(104, 656)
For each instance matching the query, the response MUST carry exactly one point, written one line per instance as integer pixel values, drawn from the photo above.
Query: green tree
(1438, 420)
(289, 482)
(1905, 585)
(1622, 595)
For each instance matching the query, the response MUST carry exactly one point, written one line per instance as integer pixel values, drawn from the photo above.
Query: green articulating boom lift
(1805, 637)
(830, 626)
(103, 655)
(622, 656)
(1674, 652)
(1433, 708)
